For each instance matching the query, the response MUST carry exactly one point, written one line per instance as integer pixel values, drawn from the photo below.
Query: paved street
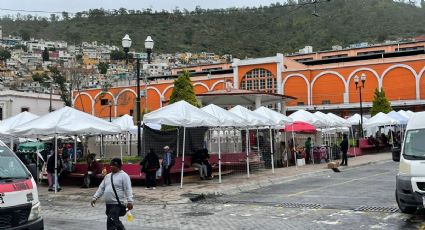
(325, 200)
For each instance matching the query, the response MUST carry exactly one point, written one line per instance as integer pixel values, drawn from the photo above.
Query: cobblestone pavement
(332, 198)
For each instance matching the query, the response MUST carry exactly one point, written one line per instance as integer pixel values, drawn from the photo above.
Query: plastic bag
(159, 172)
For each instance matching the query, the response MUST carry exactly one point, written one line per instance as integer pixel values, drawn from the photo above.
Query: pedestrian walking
(116, 188)
(307, 148)
(344, 149)
(168, 161)
(149, 165)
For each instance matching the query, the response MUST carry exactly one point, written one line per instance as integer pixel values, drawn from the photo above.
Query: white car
(19, 203)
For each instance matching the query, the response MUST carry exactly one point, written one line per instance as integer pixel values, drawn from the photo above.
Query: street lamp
(359, 88)
(148, 46)
(110, 110)
(126, 44)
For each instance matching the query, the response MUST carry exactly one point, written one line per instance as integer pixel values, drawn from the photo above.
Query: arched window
(259, 80)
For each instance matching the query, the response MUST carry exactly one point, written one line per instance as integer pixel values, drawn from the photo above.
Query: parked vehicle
(410, 188)
(19, 203)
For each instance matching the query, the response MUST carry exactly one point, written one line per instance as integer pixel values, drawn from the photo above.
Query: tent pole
(178, 141)
(210, 139)
(352, 136)
(219, 158)
(271, 149)
(247, 153)
(258, 144)
(120, 145)
(75, 149)
(286, 150)
(11, 143)
(127, 140)
(184, 140)
(55, 180)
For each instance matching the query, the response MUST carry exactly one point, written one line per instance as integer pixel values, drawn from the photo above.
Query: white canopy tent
(65, 121)
(12, 122)
(329, 121)
(227, 119)
(355, 119)
(184, 115)
(305, 116)
(253, 120)
(341, 120)
(405, 114)
(400, 118)
(380, 119)
(127, 126)
(279, 120)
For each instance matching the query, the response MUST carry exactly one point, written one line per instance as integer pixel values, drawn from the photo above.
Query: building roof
(13, 93)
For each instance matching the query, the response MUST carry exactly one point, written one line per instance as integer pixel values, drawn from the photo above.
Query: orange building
(320, 81)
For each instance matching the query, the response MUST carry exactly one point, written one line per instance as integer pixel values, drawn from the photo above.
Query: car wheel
(404, 209)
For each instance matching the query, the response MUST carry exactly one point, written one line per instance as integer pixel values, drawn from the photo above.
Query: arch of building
(216, 84)
(372, 82)
(254, 82)
(293, 85)
(328, 91)
(421, 83)
(125, 102)
(198, 85)
(400, 82)
(103, 109)
(83, 102)
(154, 98)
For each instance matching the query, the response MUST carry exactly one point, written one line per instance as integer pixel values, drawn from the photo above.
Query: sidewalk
(231, 184)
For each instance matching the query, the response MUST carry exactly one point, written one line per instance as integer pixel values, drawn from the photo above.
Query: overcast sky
(83, 5)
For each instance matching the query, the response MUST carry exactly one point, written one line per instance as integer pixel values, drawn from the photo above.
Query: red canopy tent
(300, 127)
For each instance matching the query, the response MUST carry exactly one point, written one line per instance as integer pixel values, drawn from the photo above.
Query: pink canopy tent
(300, 127)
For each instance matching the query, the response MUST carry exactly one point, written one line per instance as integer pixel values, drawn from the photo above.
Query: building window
(1, 113)
(326, 102)
(131, 112)
(259, 80)
(300, 103)
(104, 101)
(25, 109)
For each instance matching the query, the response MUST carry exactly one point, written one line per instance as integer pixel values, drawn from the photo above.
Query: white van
(19, 204)
(410, 188)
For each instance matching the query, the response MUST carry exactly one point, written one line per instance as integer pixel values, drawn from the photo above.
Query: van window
(10, 166)
(414, 144)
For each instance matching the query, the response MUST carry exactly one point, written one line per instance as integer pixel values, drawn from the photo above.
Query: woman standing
(149, 165)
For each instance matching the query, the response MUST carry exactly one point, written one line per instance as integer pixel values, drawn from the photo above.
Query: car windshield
(414, 144)
(10, 166)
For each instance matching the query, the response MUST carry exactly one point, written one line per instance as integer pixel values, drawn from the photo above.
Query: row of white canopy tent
(65, 121)
(182, 114)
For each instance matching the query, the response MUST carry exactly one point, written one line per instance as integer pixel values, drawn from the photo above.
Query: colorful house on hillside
(319, 81)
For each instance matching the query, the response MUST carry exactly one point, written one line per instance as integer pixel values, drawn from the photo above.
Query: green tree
(45, 54)
(380, 103)
(41, 78)
(60, 80)
(4, 54)
(117, 55)
(103, 67)
(183, 90)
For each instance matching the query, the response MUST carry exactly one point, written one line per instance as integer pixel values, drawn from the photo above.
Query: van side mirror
(396, 154)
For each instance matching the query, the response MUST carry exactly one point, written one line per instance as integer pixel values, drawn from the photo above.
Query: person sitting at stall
(197, 162)
(206, 162)
(93, 168)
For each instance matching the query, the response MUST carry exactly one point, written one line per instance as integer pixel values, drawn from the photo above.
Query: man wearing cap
(122, 184)
(167, 163)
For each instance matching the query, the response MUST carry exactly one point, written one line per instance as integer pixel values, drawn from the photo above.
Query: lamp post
(359, 88)
(126, 44)
(148, 46)
(110, 110)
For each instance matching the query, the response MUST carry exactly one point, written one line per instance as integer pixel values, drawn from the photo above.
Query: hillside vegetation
(248, 32)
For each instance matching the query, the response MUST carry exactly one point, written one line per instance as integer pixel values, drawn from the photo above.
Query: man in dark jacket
(167, 163)
(149, 165)
(51, 176)
(344, 150)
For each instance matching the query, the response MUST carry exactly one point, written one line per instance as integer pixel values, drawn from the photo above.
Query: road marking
(333, 185)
